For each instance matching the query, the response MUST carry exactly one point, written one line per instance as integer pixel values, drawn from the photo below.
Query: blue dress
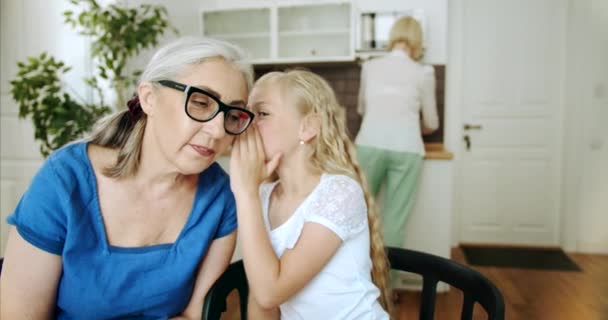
(60, 214)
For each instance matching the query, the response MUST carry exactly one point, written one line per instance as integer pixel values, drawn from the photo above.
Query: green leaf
(117, 34)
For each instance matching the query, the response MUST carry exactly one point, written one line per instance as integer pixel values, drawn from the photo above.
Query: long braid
(344, 150)
(381, 266)
(333, 152)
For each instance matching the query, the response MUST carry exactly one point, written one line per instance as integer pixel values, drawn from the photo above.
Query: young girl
(310, 239)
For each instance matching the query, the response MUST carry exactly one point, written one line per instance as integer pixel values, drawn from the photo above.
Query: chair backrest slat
(429, 294)
(233, 278)
(467, 307)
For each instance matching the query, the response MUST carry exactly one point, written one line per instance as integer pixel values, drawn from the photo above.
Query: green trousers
(400, 172)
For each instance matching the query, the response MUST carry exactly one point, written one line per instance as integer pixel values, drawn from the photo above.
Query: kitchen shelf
(250, 35)
(313, 45)
(339, 32)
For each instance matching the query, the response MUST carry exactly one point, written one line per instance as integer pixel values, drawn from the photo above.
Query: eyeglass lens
(203, 108)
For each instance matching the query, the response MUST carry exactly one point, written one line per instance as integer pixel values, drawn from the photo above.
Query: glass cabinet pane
(315, 31)
(236, 21)
(314, 17)
(247, 28)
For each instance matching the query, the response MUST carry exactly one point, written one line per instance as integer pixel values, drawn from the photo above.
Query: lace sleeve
(340, 206)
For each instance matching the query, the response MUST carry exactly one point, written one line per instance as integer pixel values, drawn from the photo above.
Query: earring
(302, 142)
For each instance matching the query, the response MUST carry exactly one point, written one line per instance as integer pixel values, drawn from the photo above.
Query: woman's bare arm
(29, 280)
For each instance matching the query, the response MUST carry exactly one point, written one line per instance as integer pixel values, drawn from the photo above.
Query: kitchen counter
(436, 151)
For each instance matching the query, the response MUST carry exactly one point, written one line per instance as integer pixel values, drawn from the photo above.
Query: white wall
(184, 16)
(29, 27)
(585, 183)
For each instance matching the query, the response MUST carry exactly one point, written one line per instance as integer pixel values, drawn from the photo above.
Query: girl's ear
(147, 96)
(310, 127)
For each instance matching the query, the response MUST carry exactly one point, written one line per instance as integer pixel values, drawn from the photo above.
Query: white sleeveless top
(343, 289)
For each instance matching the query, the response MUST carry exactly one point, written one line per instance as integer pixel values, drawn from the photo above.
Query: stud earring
(301, 142)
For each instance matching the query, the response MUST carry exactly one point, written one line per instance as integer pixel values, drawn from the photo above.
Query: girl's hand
(248, 167)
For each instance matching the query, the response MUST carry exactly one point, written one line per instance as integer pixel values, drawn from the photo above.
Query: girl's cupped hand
(248, 165)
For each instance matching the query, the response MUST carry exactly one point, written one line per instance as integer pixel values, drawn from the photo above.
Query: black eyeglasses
(203, 106)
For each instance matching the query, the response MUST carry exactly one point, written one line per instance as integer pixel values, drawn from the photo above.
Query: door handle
(468, 126)
(467, 142)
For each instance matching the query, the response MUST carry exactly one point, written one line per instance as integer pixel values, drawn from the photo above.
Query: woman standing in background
(394, 90)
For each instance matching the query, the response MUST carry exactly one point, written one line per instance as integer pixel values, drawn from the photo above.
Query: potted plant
(118, 34)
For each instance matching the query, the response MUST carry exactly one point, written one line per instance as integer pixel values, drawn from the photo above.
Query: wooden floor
(529, 294)
(532, 294)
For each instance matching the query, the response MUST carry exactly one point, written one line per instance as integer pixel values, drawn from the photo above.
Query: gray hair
(123, 132)
(172, 59)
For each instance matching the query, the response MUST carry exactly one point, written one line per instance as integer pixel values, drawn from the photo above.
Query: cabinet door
(315, 32)
(247, 28)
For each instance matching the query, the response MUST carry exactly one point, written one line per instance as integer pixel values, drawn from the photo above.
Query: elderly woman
(137, 221)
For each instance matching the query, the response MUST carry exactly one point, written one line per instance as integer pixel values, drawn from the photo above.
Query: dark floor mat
(527, 258)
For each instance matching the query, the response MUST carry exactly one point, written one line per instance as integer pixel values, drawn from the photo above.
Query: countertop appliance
(374, 27)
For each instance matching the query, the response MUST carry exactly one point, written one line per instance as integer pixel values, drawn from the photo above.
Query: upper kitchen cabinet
(248, 28)
(286, 32)
(320, 32)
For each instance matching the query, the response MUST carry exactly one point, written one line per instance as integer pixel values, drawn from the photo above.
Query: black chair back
(233, 278)
(474, 286)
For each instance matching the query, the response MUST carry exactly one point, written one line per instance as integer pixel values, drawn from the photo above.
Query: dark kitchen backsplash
(344, 78)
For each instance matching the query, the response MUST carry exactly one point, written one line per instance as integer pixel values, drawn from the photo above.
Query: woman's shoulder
(99, 157)
(69, 151)
(69, 163)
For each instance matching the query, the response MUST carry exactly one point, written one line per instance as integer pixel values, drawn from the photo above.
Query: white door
(512, 56)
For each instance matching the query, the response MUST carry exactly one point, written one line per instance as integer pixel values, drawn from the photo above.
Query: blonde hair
(124, 131)
(408, 31)
(333, 152)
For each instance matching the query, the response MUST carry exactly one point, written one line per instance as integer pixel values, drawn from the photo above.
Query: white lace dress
(343, 289)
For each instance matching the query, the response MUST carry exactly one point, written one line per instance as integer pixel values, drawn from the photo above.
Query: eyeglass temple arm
(174, 85)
